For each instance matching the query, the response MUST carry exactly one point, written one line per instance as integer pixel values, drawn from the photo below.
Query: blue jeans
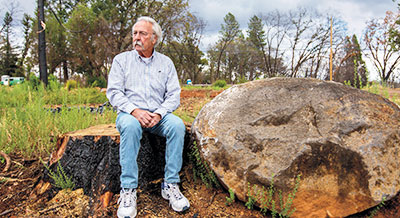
(170, 126)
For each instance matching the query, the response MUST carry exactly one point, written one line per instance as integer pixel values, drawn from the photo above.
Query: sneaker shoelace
(175, 191)
(127, 198)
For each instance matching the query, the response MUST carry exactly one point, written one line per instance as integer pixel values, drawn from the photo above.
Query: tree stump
(90, 157)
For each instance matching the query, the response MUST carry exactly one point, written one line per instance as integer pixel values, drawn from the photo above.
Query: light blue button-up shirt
(147, 83)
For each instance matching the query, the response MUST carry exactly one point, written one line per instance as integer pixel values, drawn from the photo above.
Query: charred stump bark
(90, 157)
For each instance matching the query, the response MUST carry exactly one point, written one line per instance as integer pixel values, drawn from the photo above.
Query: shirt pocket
(158, 79)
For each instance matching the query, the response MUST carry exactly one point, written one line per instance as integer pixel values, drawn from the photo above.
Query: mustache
(139, 43)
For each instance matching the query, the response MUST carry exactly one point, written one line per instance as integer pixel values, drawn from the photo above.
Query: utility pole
(330, 56)
(42, 43)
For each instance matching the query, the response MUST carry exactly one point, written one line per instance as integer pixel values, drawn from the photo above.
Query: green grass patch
(383, 91)
(29, 128)
(210, 87)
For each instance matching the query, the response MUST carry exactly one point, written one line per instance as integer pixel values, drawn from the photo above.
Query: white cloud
(354, 12)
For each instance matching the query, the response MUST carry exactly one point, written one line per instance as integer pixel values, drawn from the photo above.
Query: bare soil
(18, 181)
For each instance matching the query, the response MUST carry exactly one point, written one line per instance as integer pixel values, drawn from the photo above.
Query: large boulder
(344, 142)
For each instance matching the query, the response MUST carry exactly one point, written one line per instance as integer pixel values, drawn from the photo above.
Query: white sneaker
(127, 203)
(171, 192)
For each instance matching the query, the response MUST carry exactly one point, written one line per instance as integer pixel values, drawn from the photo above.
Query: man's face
(143, 39)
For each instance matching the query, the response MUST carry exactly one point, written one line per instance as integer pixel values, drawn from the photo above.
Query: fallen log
(90, 158)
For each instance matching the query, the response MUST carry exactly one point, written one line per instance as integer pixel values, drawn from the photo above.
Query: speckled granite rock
(344, 142)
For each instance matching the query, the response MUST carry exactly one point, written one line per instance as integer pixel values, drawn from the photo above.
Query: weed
(71, 84)
(61, 180)
(347, 82)
(251, 200)
(395, 99)
(231, 198)
(373, 89)
(219, 83)
(266, 198)
(377, 208)
(201, 169)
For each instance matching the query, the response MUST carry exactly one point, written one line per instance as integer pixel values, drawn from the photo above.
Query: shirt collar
(147, 60)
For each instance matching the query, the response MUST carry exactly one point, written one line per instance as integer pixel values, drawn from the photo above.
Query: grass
(190, 108)
(210, 87)
(27, 127)
(383, 91)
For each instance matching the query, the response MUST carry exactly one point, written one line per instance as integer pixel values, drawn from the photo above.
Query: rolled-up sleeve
(116, 88)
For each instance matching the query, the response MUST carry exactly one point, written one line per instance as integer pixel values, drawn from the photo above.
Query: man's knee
(129, 124)
(176, 124)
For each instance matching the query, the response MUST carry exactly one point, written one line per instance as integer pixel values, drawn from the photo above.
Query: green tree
(83, 36)
(394, 32)
(58, 51)
(27, 26)
(352, 67)
(229, 31)
(8, 62)
(87, 57)
(258, 39)
(185, 52)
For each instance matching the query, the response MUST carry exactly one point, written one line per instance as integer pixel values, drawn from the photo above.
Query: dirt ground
(17, 183)
(23, 175)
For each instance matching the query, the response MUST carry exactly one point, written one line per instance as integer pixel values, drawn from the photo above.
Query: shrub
(97, 82)
(71, 84)
(242, 80)
(60, 178)
(53, 83)
(219, 83)
(34, 81)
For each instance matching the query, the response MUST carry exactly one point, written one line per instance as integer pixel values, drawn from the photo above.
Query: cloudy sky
(354, 12)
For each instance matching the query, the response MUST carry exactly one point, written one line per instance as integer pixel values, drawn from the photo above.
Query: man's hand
(155, 119)
(142, 116)
(146, 118)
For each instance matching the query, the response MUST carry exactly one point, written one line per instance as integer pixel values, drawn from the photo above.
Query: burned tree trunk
(90, 157)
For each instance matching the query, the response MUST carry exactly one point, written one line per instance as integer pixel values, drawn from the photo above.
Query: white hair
(156, 27)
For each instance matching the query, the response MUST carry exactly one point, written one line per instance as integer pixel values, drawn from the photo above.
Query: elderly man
(143, 85)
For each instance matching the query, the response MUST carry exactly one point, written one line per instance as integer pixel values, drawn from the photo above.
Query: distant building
(9, 81)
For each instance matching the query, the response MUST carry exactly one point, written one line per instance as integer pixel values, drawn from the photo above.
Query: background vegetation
(29, 126)
(83, 36)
